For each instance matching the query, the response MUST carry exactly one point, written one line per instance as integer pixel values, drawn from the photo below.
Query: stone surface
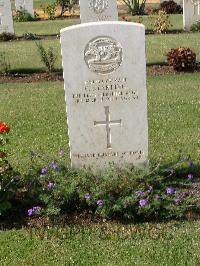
(191, 13)
(6, 20)
(25, 4)
(105, 86)
(98, 10)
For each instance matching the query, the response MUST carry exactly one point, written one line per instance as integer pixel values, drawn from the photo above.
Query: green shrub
(7, 36)
(51, 185)
(171, 7)
(66, 5)
(161, 22)
(48, 57)
(182, 59)
(50, 11)
(195, 27)
(22, 16)
(129, 193)
(135, 7)
(30, 36)
(8, 177)
(4, 64)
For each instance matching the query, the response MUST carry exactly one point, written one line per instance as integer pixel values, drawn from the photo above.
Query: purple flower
(172, 172)
(17, 178)
(191, 165)
(157, 197)
(44, 171)
(177, 200)
(87, 196)
(170, 191)
(54, 165)
(50, 185)
(184, 194)
(34, 210)
(143, 202)
(100, 203)
(30, 212)
(139, 193)
(61, 152)
(190, 176)
(150, 189)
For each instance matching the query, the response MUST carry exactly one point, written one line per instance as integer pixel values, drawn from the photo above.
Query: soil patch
(155, 70)
(31, 78)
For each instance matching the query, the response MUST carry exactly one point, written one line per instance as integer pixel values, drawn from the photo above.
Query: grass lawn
(167, 244)
(50, 27)
(36, 113)
(23, 55)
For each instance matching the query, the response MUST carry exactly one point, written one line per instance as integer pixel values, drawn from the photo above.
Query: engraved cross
(108, 123)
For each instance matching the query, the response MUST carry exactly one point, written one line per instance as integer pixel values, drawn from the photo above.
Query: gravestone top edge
(102, 23)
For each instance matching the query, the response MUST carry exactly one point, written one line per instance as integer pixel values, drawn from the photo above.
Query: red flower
(4, 128)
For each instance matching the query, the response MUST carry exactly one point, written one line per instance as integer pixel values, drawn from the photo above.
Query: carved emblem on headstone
(103, 55)
(98, 6)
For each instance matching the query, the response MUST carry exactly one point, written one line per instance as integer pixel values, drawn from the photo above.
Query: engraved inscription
(98, 6)
(103, 55)
(137, 154)
(108, 123)
(105, 91)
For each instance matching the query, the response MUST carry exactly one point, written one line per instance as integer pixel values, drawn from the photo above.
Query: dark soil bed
(155, 70)
(32, 77)
(85, 219)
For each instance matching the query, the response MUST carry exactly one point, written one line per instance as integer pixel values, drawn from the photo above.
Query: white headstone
(6, 19)
(25, 4)
(191, 13)
(98, 10)
(105, 86)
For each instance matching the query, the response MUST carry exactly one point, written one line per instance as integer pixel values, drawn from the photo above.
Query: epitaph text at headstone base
(26, 5)
(105, 87)
(98, 10)
(191, 13)
(6, 19)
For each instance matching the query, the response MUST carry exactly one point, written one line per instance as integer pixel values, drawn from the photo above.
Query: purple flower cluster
(50, 186)
(191, 165)
(17, 178)
(143, 202)
(44, 171)
(177, 200)
(54, 165)
(170, 191)
(140, 193)
(87, 196)
(35, 210)
(100, 202)
(190, 177)
(61, 152)
(157, 197)
(150, 189)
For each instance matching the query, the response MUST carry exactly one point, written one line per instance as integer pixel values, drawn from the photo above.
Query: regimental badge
(103, 55)
(98, 6)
